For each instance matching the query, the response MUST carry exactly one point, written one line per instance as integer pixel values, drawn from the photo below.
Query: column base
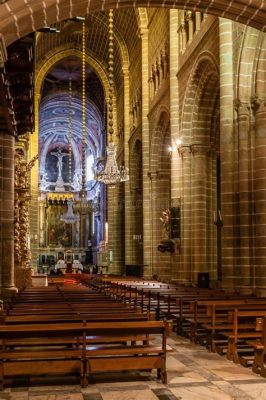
(8, 292)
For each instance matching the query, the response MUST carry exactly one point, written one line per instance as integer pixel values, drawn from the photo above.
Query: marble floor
(193, 374)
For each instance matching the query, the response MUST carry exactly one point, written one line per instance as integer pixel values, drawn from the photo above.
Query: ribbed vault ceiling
(125, 28)
(70, 36)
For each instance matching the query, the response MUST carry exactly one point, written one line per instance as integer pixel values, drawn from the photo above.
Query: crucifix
(59, 154)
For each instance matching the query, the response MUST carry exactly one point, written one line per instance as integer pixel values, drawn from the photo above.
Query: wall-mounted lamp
(175, 146)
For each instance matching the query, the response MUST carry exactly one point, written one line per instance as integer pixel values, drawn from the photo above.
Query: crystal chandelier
(70, 217)
(111, 174)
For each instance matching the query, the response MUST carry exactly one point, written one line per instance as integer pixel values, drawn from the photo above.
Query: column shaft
(7, 146)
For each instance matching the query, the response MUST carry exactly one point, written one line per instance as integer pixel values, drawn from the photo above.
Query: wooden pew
(44, 360)
(259, 346)
(210, 318)
(244, 328)
(85, 359)
(29, 319)
(132, 357)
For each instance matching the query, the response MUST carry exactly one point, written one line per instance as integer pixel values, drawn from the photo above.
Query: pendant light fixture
(69, 217)
(81, 203)
(111, 174)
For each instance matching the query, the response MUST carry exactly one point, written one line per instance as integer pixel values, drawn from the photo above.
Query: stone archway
(19, 18)
(160, 181)
(200, 205)
(136, 210)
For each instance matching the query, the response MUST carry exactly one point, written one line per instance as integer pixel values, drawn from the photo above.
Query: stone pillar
(227, 150)
(244, 252)
(200, 218)
(128, 209)
(147, 240)
(174, 127)
(7, 147)
(116, 229)
(160, 189)
(259, 108)
(184, 272)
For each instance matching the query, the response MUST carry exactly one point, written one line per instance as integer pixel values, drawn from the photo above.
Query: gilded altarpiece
(59, 234)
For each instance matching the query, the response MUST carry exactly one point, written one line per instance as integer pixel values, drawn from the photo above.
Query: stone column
(184, 272)
(174, 126)
(128, 200)
(244, 251)
(200, 219)
(227, 150)
(259, 108)
(147, 240)
(116, 229)
(7, 147)
(160, 187)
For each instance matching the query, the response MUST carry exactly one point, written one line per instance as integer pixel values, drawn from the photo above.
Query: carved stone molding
(257, 104)
(200, 149)
(242, 108)
(184, 150)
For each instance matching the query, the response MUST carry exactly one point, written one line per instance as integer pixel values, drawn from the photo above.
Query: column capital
(257, 103)
(242, 108)
(200, 149)
(184, 150)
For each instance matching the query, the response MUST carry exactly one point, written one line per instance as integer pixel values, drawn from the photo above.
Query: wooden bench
(211, 319)
(29, 319)
(244, 328)
(259, 346)
(85, 359)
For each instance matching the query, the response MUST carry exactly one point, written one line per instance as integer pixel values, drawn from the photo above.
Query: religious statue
(59, 185)
(43, 183)
(77, 181)
(166, 220)
(60, 157)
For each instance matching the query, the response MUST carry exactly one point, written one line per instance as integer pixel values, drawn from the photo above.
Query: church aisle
(193, 374)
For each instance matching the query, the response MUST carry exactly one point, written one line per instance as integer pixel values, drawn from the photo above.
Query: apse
(71, 144)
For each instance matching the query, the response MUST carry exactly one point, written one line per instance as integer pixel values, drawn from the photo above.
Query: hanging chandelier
(82, 204)
(111, 174)
(69, 217)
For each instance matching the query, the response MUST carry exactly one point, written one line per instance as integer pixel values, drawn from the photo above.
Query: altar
(68, 267)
